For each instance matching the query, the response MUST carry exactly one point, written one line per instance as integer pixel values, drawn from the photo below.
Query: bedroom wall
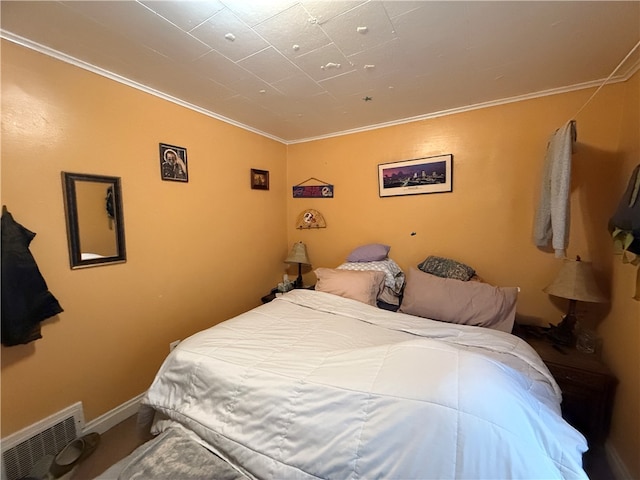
(621, 328)
(192, 256)
(487, 220)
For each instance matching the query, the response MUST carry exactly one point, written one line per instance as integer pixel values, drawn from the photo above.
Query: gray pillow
(467, 303)
(372, 252)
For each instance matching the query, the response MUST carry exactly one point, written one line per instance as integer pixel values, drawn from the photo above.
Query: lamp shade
(575, 281)
(298, 254)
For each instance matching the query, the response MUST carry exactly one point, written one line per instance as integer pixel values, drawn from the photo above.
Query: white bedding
(312, 385)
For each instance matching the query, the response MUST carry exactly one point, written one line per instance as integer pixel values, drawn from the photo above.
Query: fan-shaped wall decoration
(310, 219)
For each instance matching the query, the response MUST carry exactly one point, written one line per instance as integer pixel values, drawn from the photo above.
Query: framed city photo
(413, 177)
(259, 179)
(173, 163)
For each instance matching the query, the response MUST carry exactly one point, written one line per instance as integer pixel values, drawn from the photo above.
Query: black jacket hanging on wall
(26, 300)
(627, 216)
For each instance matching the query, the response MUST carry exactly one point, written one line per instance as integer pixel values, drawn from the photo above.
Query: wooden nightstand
(587, 385)
(272, 295)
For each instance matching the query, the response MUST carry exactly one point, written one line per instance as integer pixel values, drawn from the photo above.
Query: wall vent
(21, 450)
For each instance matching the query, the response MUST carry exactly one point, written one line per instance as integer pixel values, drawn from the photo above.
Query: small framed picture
(259, 179)
(173, 163)
(411, 177)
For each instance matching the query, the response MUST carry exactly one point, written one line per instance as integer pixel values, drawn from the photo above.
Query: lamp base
(298, 282)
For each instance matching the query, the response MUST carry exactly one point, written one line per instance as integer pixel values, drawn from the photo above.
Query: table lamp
(298, 254)
(576, 282)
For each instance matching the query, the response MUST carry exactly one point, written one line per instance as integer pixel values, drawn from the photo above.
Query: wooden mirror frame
(113, 214)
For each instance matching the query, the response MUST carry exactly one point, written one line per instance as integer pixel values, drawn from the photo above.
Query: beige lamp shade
(575, 281)
(298, 254)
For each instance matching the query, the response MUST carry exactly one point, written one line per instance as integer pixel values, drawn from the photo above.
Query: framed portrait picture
(259, 179)
(173, 163)
(413, 177)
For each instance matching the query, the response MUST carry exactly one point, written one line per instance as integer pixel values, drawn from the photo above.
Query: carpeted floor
(115, 444)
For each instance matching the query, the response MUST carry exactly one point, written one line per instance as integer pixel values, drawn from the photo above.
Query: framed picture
(259, 179)
(173, 163)
(413, 177)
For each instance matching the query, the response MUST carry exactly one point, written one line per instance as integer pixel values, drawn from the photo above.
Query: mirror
(95, 222)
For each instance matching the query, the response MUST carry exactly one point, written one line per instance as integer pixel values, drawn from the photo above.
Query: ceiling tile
(400, 7)
(186, 14)
(432, 22)
(387, 59)
(227, 34)
(361, 28)
(323, 11)
(253, 13)
(325, 62)
(348, 83)
(269, 65)
(216, 66)
(298, 86)
(135, 22)
(196, 90)
(293, 33)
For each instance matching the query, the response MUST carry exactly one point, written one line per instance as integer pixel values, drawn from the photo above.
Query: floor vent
(23, 449)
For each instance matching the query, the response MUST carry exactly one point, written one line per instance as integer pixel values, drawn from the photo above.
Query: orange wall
(621, 328)
(193, 259)
(487, 220)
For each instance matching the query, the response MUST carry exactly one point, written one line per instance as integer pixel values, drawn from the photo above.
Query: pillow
(455, 301)
(394, 276)
(446, 268)
(362, 286)
(369, 253)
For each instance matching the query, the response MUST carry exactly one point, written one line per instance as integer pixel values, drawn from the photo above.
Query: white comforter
(312, 385)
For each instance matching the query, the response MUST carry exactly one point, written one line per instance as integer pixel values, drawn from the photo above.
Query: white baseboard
(618, 468)
(113, 417)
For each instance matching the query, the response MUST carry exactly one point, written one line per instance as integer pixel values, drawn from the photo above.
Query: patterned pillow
(446, 268)
(393, 274)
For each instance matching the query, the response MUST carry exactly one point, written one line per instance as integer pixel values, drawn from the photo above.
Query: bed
(315, 385)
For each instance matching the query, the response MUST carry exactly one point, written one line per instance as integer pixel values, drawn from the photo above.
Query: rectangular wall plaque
(313, 191)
